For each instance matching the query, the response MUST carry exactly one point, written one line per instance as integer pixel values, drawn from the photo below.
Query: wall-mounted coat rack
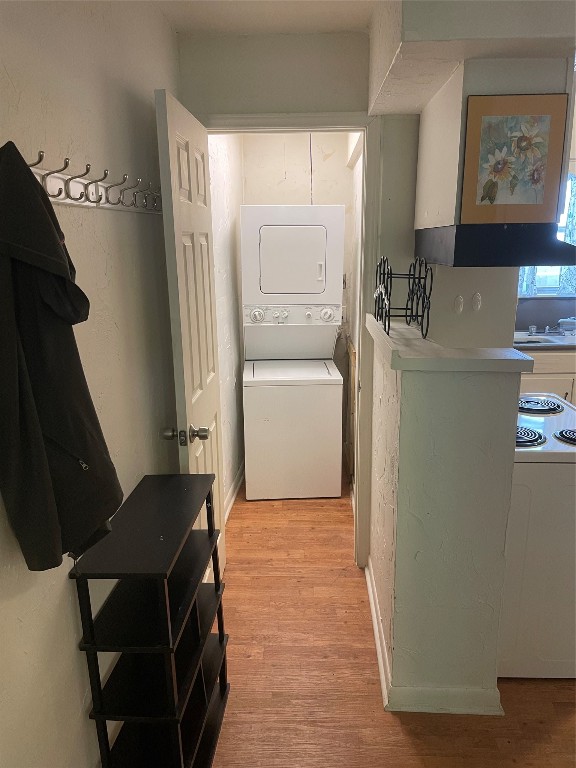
(77, 189)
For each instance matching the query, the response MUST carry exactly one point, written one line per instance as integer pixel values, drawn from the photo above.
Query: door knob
(170, 433)
(202, 433)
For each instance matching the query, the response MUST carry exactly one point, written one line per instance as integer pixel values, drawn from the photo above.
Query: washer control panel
(313, 314)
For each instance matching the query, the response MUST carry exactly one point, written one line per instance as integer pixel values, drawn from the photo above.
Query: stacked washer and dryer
(292, 266)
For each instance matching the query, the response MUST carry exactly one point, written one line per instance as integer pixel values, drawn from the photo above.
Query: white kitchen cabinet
(554, 372)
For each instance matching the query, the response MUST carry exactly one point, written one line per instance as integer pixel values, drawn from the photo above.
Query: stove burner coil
(528, 438)
(566, 436)
(539, 405)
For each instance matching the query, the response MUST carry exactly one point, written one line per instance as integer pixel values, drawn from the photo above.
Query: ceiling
(245, 17)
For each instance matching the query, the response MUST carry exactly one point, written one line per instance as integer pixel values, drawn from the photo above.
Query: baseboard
(381, 650)
(233, 492)
(455, 701)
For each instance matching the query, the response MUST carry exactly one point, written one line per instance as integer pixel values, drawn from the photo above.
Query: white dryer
(292, 254)
(292, 429)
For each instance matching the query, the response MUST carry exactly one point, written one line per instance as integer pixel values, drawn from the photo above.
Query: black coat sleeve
(25, 479)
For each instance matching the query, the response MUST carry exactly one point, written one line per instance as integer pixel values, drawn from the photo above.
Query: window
(554, 281)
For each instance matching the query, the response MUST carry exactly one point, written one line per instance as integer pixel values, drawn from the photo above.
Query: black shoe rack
(168, 687)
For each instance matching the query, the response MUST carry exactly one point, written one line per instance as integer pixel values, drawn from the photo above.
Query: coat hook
(40, 158)
(96, 181)
(69, 195)
(127, 189)
(144, 192)
(111, 186)
(157, 196)
(50, 173)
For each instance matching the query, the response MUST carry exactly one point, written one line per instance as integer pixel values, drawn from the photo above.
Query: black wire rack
(417, 307)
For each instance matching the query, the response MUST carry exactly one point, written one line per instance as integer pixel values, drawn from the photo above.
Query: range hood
(494, 245)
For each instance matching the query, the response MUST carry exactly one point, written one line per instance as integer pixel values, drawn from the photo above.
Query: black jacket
(57, 480)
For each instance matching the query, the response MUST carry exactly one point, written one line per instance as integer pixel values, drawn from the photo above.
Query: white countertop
(406, 350)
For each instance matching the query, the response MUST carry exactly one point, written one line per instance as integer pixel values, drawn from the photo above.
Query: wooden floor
(305, 691)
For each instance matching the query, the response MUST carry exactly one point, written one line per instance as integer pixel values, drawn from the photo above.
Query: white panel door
(183, 151)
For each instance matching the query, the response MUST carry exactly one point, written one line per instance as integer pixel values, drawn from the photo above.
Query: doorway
(282, 168)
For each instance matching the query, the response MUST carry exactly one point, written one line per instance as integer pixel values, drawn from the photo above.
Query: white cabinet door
(555, 383)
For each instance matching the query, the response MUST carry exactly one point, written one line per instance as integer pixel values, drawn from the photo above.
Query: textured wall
(438, 154)
(457, 452)
(385, 454)
(385, 40)
(447, 20)
(258, 74)
(353, 284)
(399, 157)
(226, 191)
(76, 80)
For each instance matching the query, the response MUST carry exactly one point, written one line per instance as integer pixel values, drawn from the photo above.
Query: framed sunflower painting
(513, 158)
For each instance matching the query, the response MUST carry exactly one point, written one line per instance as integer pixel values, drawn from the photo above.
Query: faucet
(555, 331)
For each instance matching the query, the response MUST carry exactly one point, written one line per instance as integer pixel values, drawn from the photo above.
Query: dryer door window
(292, 259)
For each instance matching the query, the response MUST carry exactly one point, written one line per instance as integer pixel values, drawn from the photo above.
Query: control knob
(326, 314)
(257, 315)
(284, 314)
(308, 315)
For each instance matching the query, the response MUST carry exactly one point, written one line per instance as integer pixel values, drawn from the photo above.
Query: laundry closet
(286, 221)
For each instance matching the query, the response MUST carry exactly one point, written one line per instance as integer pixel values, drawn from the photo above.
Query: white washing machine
(292, 429)
(538, 615)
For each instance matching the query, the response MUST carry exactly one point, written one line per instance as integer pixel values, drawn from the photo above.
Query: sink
(525, 338)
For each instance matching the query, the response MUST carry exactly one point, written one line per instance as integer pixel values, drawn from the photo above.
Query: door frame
(371, 127)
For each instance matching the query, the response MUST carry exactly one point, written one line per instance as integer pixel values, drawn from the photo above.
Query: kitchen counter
(406, 350)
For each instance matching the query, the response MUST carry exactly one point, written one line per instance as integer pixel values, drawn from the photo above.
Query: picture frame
(513, 158)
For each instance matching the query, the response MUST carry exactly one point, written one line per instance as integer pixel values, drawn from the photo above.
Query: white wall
(385, 40)
(384, 503)
(438, 154)
(505, 19)
(78, 79)
(399, 156)
(353, 283)
(450, 544)
(490, 326)
(244, 74)
(226, 191)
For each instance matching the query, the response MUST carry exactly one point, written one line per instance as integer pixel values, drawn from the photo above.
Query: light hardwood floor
(305, 691)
